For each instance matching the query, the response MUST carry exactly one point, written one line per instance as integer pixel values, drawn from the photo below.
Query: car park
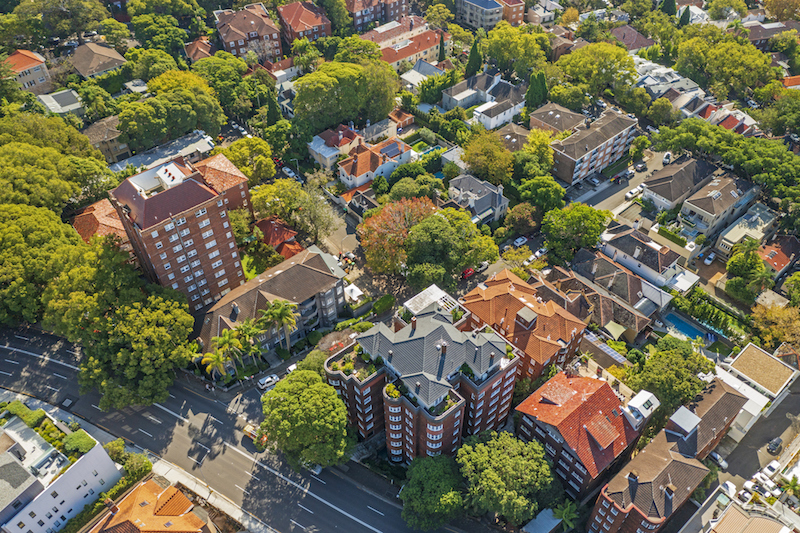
(774, 445)
(714, 456)
(767, 483)
(667, 158)
(729, 489)
(267, 382)
(519, 241)
(710, 259)
(771, 469)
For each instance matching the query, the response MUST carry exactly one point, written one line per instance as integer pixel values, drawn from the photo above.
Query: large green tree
(431, 496)
(474, 61)
(340, 18)
(147, 64)
(159, 32)
(306, 420)
(63, 18)
(354, 49)
(252, 156)
(488, 158)
(571, 228)
(516, 49)
(543, 192)
(599, 66)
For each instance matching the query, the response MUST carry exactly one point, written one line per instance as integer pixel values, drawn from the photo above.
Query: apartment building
(177, 222)
(366, 12)
(303, 19)
(632, 249)
(758, 223)
(428, 384)
(31, 71)
(396, 31)
(593, 147)
(555, 118)
(368, 161)
(249, 28)
(544, 332)
(479, 13)
(513, 11)
(584, 428)
(651, 488)
(40, 491)
(717, 204)
(424, 46)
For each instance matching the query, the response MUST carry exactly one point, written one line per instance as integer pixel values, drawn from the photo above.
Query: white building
(368, 161)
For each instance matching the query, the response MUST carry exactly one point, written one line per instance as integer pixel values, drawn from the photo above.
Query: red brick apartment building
(648, 490)
(427, 384)
(583, 427)
(249, 28)
(543, 331)
(303, 19)
(513, 11)
(365, 12)
(177, 221)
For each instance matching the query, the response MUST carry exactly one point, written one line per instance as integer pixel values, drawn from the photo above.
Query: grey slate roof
(479, 82)
(507, 91)
(485, 195)
(426, 69)
(14, 479)
(584, 140)
(627, 240)
(558, 117)
(419, 355)
(673, 181)
(499, 108)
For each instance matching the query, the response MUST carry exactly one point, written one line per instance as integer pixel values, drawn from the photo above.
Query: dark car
(774, 445)
(641, 167)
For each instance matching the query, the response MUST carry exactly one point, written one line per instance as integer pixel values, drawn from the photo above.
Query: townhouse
(544, 12)
(249, 28)
(716, 204)
(674, 183)
(30, 70)
(396, 31)
(303, 19)
(367, 161)
(327, 146)
(424, 46)
(634, 250)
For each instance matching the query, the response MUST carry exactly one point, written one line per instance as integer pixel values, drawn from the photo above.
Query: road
(202, 435)
(614, 195)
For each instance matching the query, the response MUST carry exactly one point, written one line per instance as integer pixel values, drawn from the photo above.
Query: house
(152, 502)
(593, 147)
(758, 223)
(279, 236)
(780, 254)
(438, 383)
(513, 11)
(360, 203)
(191, 147)
(721, 514)
(401, 118)
(396, 31)
(326, 147)
(104, 136)
(471, 91)
(249, 28)
(559, 46)
(425, 46)
(764, 372)
(382, 130)
(555, 118)
(286, 94)
(101, 219)
(632, 39)
(484, 201)
(421, 71)
(303, 19)
(654, 485)
(791, 82)
(751, 411)
(543, 331)
(760, 34)
(479, 13)
(501, 100)
(583, 427)
(514, 136)
(716, 204)
(42, 488)
(198, 49)
(367, 161)
(544, 12)
(226, 179)
(453, 155)
(696, 14)
(674, 183)
(175, 218)
(365, 12)
(657, 79)
(788, 354)
(283, 70)
(136, 86)
(93, 59)
(63, 103)
(31, 71)
(311, 280)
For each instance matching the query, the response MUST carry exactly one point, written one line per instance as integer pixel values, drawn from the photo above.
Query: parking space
(710, 274)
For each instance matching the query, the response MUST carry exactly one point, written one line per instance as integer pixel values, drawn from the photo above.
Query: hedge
(674, 237)
(361, 327)
(79, 441)
(383, 304)
(314, 337)
(32, 419)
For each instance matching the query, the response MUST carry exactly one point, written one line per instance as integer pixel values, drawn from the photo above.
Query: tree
(634, 100)
(160, 32)
(777, 325)
(567, 512)
(598, 66)
(638, 146)
(247, 331)
(570, 16)
(431, 496)
(522, 219)
(442, 48)
(438, 16)
(315, 216)
(686, 17)
(430, 89)
(570, 96)
(63, 18)
(474, 61)
(571, 228)
(488, 158)
(636, 8)
(116, 451)
(315, 362)
(306, 420)
(116, 34)
(354, 49)
(176, 8)
(516, 50)
(176, 79)
(253, 157)
(544, 193)
(534, 97)
(229, 344)
(405, 188)
(783, 116)
(507, 476)
(338, 15)
(538, 146)
(97, 102)
(792, 288)
(214, 363)
(306, 56)
(284, 315)
(460, 36)
(148, 64)
(668, 7)
(661, 112)
(720, 9)
(224, 72)
(783, 9)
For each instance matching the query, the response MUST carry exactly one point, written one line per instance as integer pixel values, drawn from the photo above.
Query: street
(202, 435)
(614, 194)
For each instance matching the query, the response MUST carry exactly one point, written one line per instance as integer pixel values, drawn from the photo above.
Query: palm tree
(792, 487)
(568, 513)
(214, 362)
(283, 313)
(229, 344)
(247, 331)
(748, 246)
(761, 279)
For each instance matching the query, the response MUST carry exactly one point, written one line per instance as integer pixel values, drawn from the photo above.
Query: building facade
(303, 19)
(31, 71)
(424, 46)
(326, 147)
(479, 13)
(758, 223)
(513, 11)
(249, 28)
(104, 136)
(367, 12)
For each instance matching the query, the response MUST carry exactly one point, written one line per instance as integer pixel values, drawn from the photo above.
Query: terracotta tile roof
(498, 301)
(729, 123)
(406, 24)
(289, 249)
(791, 81)
(331, 137)
(147, 212)
(100, 218)
(367, 158)
(219, 173)
(199, 49)
(283, 64)
(275, 231)
(347, 196)
(354, 6)
(587, 414)
(237, 25)
(707, 111)
(419, 43)
(780, 251)
(23, 60)
(399, 116)
(632, 39)
(151, 509)
(302, 16)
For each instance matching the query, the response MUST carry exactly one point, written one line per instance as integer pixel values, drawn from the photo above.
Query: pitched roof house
(484, 201)
(249, 28)
(327, 146)
(280, 236)
(632, 39)
(198, 49)
(718, 203)
(303, 19)
(104, 136)
(93, 59)
(671, 185)
(780, 253)
(31, 71)
(367, 161)
(639, 253)
(101, 219)
(423, 46)
(396, 31)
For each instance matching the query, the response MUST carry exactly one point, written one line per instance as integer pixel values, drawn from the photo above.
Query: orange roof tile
(347, 196)
(791, 81)
(419, 43)
(399, 116)
(707, 111)
(198, 49)
(301, 16)
(331, 137)
(367, 158)
(729, 123)
(23, 60)
(587, 414)
(275, 231)
(497, 302)
(780, 252)
(289, 249)
(100, 218)
(219, 173)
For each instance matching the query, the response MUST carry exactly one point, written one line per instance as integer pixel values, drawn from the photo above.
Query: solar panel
(391, 150)
(608, 350)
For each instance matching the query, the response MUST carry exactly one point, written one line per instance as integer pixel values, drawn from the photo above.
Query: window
(185, 269)
(184, 232)
(195, 263)
(173, 238)
(212, 243)
(395, 427)
(219, 274)
(54, 494)
(191, 253)
(169, 227)
(175, 286)
(163, 255)
(207, 234)
(181, 259)
(224, 214)
(219, 203)
(395, 418)
(435, 437)
(215, 264)
(171, 277)
(167, 266)
(159, 245)
(33, 515)
(176, 249)
(223, 283)
(213, 254)
(204, 223)
(201, 212)
(435, 428)
(393, 409)
(181, 221)
(154, 234)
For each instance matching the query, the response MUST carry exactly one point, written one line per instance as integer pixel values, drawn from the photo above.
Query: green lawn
(718, 347)
(617, 167)
(420, 147)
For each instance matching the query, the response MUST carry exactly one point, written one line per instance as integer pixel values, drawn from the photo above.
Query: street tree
(315, 362)
(522, 219)
(638, 146)
(438, 16)
(544, 193)
(431, 496)
(148, 64)
(571, 228)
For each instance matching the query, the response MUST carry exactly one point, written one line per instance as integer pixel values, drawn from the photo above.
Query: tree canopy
(517, 48)
(488, 158)
(431, 496)
(571, 228)
(252, 156)
(598, 66)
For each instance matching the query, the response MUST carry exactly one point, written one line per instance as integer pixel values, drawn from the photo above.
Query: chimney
(368, 123)
(444, 348)
(418, 387)
(391, 353)
(413, 323)
(491, 358)
(636, 224)
(111, 506)
(633, 483)
(637, 252)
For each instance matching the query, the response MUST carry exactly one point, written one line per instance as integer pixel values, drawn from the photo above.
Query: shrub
(427, 135)
(348, 368)
(137, 465)
(314, 337)
(361, 327)
(32, 419)
(116, 450)
(79, 441)
(674, 237)
(383, 304)
(391, 391)
(283, 353)
(299, 345)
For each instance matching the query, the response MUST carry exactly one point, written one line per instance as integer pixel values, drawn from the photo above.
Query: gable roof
(100, 218)
(636, 244)
(780, 251)
(514, 136)
(586, 139)
(22, 60)
(237, 25)
(719, 194)
(673, 181)
(367, 158)
(289, 249)
(92, 58)
(558, 117)
(587, 414)
(479, 82)
(275, 231)
(413, 46)
(220, 173)
(394, 29)
(302, 16)
(147, 212)
(339, 137)
(103, 130)
(632, 39)
(198, 49)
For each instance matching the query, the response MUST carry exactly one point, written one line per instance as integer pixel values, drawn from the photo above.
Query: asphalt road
(203, 436)
(614, 195)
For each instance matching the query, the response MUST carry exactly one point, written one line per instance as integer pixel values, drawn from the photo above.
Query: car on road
(313, 468)
(641, 166)
(289, 172)
(744, 496)
(729, 489)
(291, 369)
(774, 445)
(710, 259)
(714, 456)
(267, 382)
(540, 252)
(651, 129)
(519, 241)
(483, 266)
(468, 273)
(771, 469)
(667, 158)
(633, 193)
(594, 181)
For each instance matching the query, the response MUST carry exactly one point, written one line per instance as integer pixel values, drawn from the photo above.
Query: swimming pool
(685, 327)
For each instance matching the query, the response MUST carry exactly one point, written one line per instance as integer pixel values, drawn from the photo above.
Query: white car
(771, 469)
(744, 496)
(729, 489)
(767, 483)
(667, 158)
(594, 181)
(289, 172)
(710, 259)
(540, 252)
(714, 456)
(291, 369)
(601, 104)
(529, 260)
(519, 241)
(633, 193)
(268, 382)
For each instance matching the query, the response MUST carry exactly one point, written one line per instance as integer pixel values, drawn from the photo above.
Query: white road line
(59, 376)
(215, 419)
(73, 353)
(40, 356)
(52, 388)
(377, 511)
(6, 373)
(148, 434)
(204, 447)
(93, 405)
(252, 476)
(21, 337)
(154, 419)
(298, 525)
(303, 489)
(12, 361)
(318, 479)
(171, 396)
(241, 489)
(305, 509)
(173, 413)
(196, 461)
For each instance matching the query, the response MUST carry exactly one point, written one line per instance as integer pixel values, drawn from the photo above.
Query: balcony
(355, 363)
(451, 400)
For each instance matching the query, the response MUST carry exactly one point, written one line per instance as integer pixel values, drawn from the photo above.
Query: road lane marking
(148, 434)
(377, 511)
(6, 373)
(52, 388)
(298, 525)
(12, 361)
(241, 489)
(215, 419)
(302, 488)
(318, 479)
(59, 376)
(173, 413)
(40, 356)
(200, 462)
(252, 476)
(171, 396)
(93, 405)
(73, 353)
(206, 447)
(154, 419)
(305, 509)
(21, 337)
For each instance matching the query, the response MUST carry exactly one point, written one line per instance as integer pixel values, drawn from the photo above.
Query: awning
(353, 293)
(614, 329)
(683, 281)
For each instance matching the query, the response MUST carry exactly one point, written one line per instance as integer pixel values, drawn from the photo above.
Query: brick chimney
(109, 503)
(444, 348)
(413, 323)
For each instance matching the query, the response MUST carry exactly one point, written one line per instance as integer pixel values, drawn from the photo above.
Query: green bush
(32, 419)
(619, 346)
(116, 450)
(299, 345)
(283, 353)
(79, 441)
(383, 304)
(361, 327)
(391, 391)
(314, 337)
(674, 237)
(341, 326)
(348, 368)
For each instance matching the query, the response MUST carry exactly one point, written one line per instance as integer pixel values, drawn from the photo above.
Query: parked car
(641, 166)
(483, 266)
(633, 193)
(714, 456)
(313, 468)
(519, 241)
(601, 104)
(744, 496)
(767, 483)
(651, 129)
(291, 369)
(540, 252)
(289, 172)
(710, 259)
(531, 258)
(774, 445)
(771, 469)
(667, 158)
(267, 382)
(90, 34)
(729, 489)
(594, 181)
(468, 273)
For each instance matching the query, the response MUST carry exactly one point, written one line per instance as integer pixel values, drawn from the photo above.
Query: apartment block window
(219, 274)
(205, 222)
(395, 427)
(169, 227)
(393, 409)
(184, 232)
(181, 221)
(175, 286)
(395, 418)
(163, 255)
(195, 263)
(219, 203)
(159, 245)
(173, 238)
(176, 249)
(223, 283)
(207, 234)
(435, 428)
(191, 253)
(188, 278)
(223, 215)
(212, 243)
(154, 234)
(181, 259)
(200, 212)
(215, 264)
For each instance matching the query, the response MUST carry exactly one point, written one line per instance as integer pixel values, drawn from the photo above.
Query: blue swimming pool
(685, 327)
